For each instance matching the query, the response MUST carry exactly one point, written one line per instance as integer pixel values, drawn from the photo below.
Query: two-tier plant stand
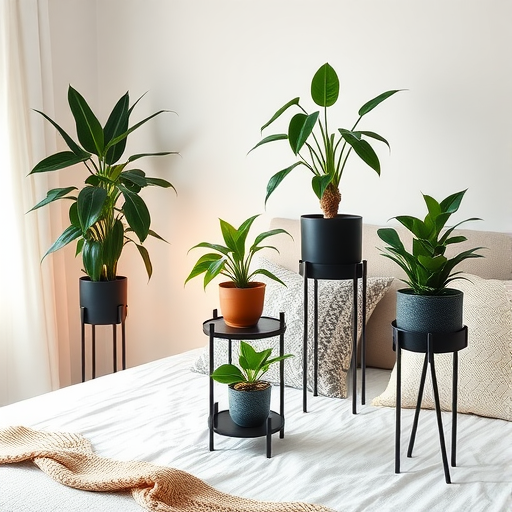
(220, 422)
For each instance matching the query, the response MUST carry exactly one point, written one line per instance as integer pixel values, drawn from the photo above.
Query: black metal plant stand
(429, 344)
(353, 271)
(121, 318)
(220, 422)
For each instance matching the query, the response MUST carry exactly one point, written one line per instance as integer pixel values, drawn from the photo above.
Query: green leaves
(98, 221)
(88, 128)
(324, 153)
(233, 259)
(325, 86)
(253, 365)
(428, 268)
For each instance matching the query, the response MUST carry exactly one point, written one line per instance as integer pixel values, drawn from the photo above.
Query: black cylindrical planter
(429, 313)
(249, 408)
(336, 241)
(101, 300)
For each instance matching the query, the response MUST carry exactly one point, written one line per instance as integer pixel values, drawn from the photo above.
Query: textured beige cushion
(497, 264)
(485, 366)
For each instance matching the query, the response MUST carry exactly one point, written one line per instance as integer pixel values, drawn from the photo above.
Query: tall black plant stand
(353, 271)
(121, 317)
(428, 344)
(220, 422)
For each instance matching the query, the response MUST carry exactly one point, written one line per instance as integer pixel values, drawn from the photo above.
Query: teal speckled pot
(429, 313)
(249, 408)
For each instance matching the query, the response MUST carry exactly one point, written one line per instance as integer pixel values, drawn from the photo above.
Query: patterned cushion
(335, 328)
(485, 366)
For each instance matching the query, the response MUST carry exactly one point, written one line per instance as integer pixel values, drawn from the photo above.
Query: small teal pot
(429, 313)
(249, 408)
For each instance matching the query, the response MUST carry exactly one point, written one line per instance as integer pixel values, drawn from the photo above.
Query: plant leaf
(88, 128)
(90, 203)
(362, 148)
(320, 183)
(69, 234)
(59, 161)
(283, 109)
(277, 178)
(54, 195)
(117, 123)
(136, 212)
(370, 105)
(92, 258)
(325, 86)
(145, 257)
(270, 138)
(300, 128)
(228, 374)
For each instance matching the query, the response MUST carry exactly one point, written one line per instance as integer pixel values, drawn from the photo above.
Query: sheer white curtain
(29, 362)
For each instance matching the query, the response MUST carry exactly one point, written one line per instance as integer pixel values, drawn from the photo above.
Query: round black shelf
(224, 425)
(265, 328)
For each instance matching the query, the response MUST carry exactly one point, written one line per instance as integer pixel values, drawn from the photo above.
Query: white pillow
(485, 366)
(335, 328)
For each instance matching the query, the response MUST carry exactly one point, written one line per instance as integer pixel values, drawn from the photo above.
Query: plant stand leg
(354, 341)
(93, 329)
(269, 438)
(418, 406)
(315, 337)
(363, 336)
(305, 342)
(454, 407)
(438, 410)
(398, 404)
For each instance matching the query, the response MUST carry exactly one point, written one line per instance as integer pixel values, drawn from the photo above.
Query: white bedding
(158, 412)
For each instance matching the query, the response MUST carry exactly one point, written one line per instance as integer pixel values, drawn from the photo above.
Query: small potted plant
(241, 298)
(330, 238)
(428, 304)
(248, 395)
(107, 212)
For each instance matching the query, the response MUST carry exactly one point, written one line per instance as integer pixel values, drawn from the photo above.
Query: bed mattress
(157, 412)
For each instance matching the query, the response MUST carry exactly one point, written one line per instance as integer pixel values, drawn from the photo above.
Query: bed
(157, 413)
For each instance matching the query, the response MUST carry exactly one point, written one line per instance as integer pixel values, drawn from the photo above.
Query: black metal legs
(352, 272)
(93, 345)
(428, 361)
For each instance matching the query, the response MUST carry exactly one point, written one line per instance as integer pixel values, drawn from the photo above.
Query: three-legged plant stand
(428, 344)
(354, 272)
(220, 422)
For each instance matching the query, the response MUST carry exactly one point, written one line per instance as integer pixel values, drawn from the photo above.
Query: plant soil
(259, 385)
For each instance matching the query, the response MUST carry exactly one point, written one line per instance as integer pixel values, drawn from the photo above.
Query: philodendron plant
(233, 260)
(252, 366)
(108, 209)
(324, 153)
(428, 269)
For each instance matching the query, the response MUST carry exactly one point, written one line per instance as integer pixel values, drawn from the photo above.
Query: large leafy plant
(325, 154)
(108, 210)
(252, 366)
(233, 260)
(427, 267)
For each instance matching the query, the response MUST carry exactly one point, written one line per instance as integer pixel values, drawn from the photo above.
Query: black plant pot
(336, 241)
(249, 408)
(429, 313)
(104, 302)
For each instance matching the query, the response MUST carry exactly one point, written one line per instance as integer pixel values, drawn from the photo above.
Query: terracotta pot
(241, 307)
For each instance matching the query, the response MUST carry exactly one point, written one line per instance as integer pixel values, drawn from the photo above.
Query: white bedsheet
(158, 412)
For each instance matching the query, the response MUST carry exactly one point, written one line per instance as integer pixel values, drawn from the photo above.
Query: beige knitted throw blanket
(69, 459)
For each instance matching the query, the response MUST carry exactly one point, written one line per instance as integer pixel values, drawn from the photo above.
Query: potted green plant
(248, 395)
(428, 304)
(326, 154)
(241, 298)
(107, 211)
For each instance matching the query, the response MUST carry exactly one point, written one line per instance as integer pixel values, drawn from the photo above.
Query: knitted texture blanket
(69, 459)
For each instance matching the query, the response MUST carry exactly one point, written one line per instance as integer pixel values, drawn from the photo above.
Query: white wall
(226, 66)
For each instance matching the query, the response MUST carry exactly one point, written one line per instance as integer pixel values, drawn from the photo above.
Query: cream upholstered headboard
(497, 264)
